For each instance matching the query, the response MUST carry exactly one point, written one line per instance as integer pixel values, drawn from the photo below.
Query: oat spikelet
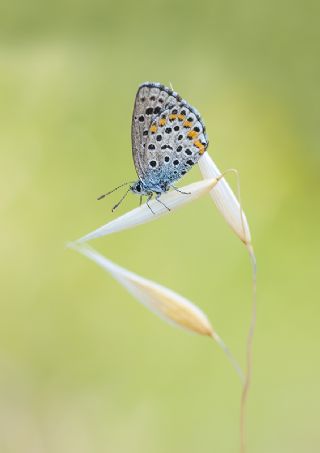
(225, 200)
(169, 305)
(173, 200)
(164, 302)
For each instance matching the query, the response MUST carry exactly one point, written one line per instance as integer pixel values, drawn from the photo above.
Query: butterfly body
(150, 186)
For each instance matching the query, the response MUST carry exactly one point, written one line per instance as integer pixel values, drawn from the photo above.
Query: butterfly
(168, 138)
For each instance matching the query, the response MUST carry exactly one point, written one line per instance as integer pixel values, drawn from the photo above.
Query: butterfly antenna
(113, 190)
(121, 200)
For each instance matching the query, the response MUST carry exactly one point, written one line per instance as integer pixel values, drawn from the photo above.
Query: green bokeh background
(84, 367)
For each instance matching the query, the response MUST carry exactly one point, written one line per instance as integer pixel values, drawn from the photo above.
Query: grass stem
(249, 351)
(229, 355)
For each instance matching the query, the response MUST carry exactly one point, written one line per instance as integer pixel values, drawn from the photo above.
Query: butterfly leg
(147, 202)
(161, 202)
(178, 190)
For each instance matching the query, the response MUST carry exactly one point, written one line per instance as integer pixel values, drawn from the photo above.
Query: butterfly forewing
(151, 98)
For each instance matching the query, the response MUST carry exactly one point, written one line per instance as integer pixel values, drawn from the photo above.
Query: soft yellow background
(85, 368)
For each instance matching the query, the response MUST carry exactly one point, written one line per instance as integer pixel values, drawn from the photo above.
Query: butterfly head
(139, 188)
(148, 187)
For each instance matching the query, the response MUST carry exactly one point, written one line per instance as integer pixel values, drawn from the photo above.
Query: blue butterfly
(168, 138)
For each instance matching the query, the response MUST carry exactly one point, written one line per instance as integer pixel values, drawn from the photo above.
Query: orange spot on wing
(192, 134)
(162, 122)
(200, 146)
(181, 117)
(153, 129)
(187, 124)
(172, 117)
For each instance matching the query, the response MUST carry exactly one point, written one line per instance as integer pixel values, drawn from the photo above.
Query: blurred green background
(84, 367)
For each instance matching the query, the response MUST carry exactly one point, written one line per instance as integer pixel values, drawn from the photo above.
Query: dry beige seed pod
(225, 200)
(173, 200)
(167, 304)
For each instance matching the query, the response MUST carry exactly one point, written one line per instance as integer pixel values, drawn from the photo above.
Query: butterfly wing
(150, 100)
(175, 142)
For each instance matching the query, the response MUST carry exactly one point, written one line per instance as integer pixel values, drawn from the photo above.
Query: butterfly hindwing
(175, 143)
